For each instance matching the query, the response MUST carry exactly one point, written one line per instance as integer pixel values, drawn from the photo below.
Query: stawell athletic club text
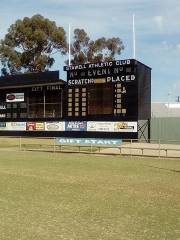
(99, 73)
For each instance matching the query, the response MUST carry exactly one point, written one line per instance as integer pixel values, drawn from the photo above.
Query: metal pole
(91, 148)
(159, 148)
(20, 143)
(134, 38)
(44, 103)
(69, 44)
(54, 147)
(61, 101)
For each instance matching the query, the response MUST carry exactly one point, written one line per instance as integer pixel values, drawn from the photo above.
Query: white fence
(128, 147)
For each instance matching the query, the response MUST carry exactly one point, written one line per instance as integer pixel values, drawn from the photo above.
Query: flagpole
(134, 38)
(69, 44)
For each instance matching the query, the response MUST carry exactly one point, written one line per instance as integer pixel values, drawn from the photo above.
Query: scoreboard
(102, 100)
(121, 76)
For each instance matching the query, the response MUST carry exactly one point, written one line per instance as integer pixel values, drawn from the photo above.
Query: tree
(84, 50)
(30, 44)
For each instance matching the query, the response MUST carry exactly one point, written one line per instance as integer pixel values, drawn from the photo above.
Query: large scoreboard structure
(113, 97)
(98, 100)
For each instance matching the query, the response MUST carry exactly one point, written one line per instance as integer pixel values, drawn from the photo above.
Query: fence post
(54, 145)
(159, 148)
(131, 148)
(120, 150)
(91, 148)
(20, 143)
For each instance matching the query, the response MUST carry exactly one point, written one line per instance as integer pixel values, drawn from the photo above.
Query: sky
(157, 24)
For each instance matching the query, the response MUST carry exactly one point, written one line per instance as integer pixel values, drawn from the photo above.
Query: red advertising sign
(31, 126)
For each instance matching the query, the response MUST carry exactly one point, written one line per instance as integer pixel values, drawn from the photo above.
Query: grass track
(45, 196)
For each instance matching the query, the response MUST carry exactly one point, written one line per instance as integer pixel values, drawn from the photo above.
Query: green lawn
(46, 196)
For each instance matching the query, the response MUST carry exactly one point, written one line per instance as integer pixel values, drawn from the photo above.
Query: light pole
(168, 103)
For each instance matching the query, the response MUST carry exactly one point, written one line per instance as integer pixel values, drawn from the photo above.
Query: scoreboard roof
(27, 79)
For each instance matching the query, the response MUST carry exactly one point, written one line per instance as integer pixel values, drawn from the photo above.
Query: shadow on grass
(165, 169)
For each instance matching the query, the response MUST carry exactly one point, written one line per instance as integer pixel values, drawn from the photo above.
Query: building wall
(165, 129)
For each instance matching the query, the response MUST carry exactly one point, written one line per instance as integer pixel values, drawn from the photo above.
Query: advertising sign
(76, 126)
(35, 126)
(31, 126)
(55, 126)
(111, 126)
(100, 126)
(16, 126)
(89, 141)
(125, 126)
(2, 125)
(15, 97)
(39, 126)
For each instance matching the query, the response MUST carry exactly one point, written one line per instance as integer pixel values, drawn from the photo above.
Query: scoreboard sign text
(89, 141)
(106, 71)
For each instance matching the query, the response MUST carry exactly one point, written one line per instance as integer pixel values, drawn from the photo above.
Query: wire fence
(133, 147)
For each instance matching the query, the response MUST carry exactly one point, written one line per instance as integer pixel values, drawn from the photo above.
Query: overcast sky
(157, 31)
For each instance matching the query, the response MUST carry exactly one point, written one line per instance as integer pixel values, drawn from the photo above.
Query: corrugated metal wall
(165, 129)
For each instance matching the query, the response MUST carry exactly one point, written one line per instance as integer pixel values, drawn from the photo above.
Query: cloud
(167, 46)
(178, 46)
(159, 21)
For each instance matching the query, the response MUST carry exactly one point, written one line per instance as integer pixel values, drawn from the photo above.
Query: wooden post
(131, 148)
(159, 153)
(54, 147)
(20, 143)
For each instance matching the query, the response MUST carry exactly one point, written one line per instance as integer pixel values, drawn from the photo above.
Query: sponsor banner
(100, 126)
(54, 126)
(89, 141)
(125, 127)
(111, 126)
(31, 126)
(15, 97)
(2, 125)
(76, 126)
(16, 126)
(90, 126)
(35, 126)
(40, 126)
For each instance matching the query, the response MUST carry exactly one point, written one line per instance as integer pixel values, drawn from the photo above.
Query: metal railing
(133, 147)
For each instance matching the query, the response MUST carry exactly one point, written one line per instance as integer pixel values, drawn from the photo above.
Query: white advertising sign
(54, 126)
(15, 97)
(16, 126)
(111, 126)
(100, 126)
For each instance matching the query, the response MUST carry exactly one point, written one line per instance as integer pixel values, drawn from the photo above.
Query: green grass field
(46, 196)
